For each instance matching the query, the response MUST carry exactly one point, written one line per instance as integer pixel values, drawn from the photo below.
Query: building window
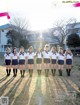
(2, 46)
(2, 30)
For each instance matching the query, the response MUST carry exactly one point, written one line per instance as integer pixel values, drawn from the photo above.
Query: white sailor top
(30, 55)
(54, 55)
(22, 56)
(46, 54)
(7, 56)
(61, 56)
(38, 54)
(14, 55)
(68, 56)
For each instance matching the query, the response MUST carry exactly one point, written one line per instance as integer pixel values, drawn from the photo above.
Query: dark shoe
(21, 73)
(52, 71)
(9, 72)
(67, 72)
(16, 72)
(60, 72)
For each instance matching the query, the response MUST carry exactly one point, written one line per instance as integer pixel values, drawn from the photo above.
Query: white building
(73, 28)
(3, 39)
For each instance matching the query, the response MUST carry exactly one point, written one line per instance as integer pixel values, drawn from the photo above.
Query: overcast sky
(41, 14)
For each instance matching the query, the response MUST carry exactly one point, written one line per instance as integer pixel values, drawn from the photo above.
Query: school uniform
(46, 56)
(69, 59)
(54, 57)
(22, 57)
(14, 58)
(7, 57)
(53, 61)
(39, 57)
(30, 56)
(61, 59)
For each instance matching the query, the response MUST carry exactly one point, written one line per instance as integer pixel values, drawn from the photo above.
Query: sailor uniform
(30, 56)
(61, 59)
(69, 59)
(46, 56)
(54, 57)
(7, 57)
(22, 57)
(14, 58)
(68, 62)
(39, 57)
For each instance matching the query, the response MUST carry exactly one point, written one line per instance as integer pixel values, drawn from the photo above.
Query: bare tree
(20, 24)
(17, 35)
(60, 31)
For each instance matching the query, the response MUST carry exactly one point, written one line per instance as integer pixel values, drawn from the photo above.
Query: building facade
(3, 39)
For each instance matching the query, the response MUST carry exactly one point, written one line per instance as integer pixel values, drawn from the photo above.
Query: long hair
(61, 49)
(68, 51)
(54, 50)
(21, 48)
(13, 49)
(7, 49)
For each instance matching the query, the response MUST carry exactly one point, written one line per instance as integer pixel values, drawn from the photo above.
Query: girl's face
(15, 50)
(30, 50)
(46, 49)
(61, 51)
(53, 49)
(69, 51)
(8, 51)
(22, 49)
(39, 49)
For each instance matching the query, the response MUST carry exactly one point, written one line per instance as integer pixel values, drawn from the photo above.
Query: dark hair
(13, 49)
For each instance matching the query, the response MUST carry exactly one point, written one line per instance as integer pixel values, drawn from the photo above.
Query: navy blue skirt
(69, 61)
(39, 60)
(8, 62)
(30, 61)
(14, 62)
(53, 61)
(46, 60)
(61, 62)
(21, 62)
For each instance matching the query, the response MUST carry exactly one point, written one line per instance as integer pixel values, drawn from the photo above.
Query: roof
(5, 26)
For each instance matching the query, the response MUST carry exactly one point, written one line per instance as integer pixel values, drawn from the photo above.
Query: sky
(41, 14)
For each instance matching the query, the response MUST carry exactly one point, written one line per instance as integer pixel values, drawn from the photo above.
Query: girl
(30, 57)
(39, 60)
(53, 60)
(22, 59)
(61, 59)
(7, 61)
(14, 61)
(46, 59)
(69, 61)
